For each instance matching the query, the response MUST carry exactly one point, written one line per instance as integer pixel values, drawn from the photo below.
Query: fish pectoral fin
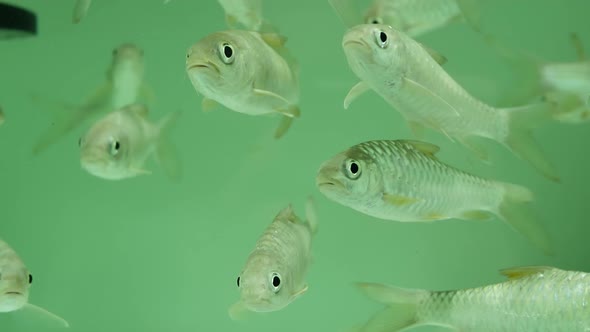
(238, 311)
(399, 200)
(514, 273)
(140, 171)
(477, 215)
(274, 40)
(270, 94)
(430, 99)
(439, 58)
(299, 292)
(356, 91)
(39, 312)
(208, 105)
(424, 147)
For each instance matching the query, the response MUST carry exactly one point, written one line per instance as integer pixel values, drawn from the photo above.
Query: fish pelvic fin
(166, 153)
(514, 211)
(400, 311)
(45, 314)
(520, 140)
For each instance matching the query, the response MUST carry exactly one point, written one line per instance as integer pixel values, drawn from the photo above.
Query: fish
(117, 146)
(15, 281)
(565, 84)
(247, 72)
(413, 17)
(274, 273)
(80, 10)
(245, 14)
(405, 75)
(403, 180)
(125, 84)
(533, 298)
(2, 117)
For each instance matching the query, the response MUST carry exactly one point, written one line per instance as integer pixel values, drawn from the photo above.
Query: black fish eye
(117, 145)
(354, 168)
(238, 281)
(276, 281)
(227, 51)
(30, 278)
(383, 37)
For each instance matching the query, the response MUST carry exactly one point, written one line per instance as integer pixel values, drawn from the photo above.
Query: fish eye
(352, 169)
(80, 141)
(375, 20)
(227, 53)
(238, 281)
(115, 147)
(275, 280)
(381, 38)
(30, 278)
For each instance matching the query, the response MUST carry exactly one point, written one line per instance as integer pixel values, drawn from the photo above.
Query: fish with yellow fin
(403, 180)
(534, 298)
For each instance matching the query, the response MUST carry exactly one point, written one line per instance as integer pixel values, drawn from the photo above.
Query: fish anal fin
(424, 147)
(514, 273)
(356, 91)
(399, 200)
(477, 215)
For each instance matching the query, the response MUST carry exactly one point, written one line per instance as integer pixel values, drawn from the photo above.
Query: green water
(148, 254)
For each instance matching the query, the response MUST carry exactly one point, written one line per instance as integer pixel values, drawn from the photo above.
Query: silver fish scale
(554, 301)
(441, 188)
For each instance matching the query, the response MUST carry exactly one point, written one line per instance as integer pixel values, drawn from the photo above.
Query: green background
(148, 254)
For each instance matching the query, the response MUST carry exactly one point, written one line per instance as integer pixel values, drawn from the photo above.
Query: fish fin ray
(356, 91)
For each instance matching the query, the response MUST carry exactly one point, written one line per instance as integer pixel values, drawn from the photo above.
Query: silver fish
(534, 298)
(118, 146)
(15, 281)
(402, 72)
(403, 180)
(274, 274)
(246, 72)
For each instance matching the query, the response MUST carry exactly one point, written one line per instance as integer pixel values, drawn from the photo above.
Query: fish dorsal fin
(424, 147)
(287, 214)
(514, 273)
(439, 58)
(139, 109)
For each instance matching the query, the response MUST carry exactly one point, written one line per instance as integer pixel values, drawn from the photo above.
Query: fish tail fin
(514, 211)
(311, 215)
(519, 137)
(401, 311)
(41, 312)
(166, 152)
(347, 12)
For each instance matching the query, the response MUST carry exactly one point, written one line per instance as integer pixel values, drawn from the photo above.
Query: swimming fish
(403, 180)
(80, 10)
(124, 85)
(274, 274)
(534, 298)
(413, 17)
(2, 117)
(246, 72)
(15, 281)
(402, 72)
(118, 146)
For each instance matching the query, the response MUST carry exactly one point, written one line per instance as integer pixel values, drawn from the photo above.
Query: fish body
(244, 71)
(403, 180)
(403, 72)
(247, 13)
(274, 273)
(534, 298)
(118, 146)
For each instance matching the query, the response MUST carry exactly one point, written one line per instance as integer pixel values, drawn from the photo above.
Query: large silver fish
(15, 281)
(534, 298)
(403, 180)
(247, 72)
(402, 72)
(274, 274)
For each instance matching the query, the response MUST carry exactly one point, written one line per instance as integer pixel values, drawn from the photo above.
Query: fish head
(217, 64)
(15, 280)
(373, 50)
(348, 176)
(263, 285)
(105, 149)
(127, 56)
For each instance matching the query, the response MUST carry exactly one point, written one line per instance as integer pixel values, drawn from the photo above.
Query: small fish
(2, 117)
(247, 13)
(534, 298)
(80, 10)
(403, 73)
(124, 85)
(15, 281)
(118, 146)
(246, 72)
(403, 180)
(413, 17)
(274, 274)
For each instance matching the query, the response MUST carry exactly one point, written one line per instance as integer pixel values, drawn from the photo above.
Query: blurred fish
(247, 72)
(80, 10)
(118, 146)
(247, 13)
(413, 17)
(403, 180)
(2, 117)
(124, 85)
(534, 298)
(274, 274)
(402, 72)
(15, 281)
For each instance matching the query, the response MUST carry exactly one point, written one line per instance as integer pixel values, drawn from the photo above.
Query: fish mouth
(354, 43)
(203, 65)
(323, 181)
(13, 293)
